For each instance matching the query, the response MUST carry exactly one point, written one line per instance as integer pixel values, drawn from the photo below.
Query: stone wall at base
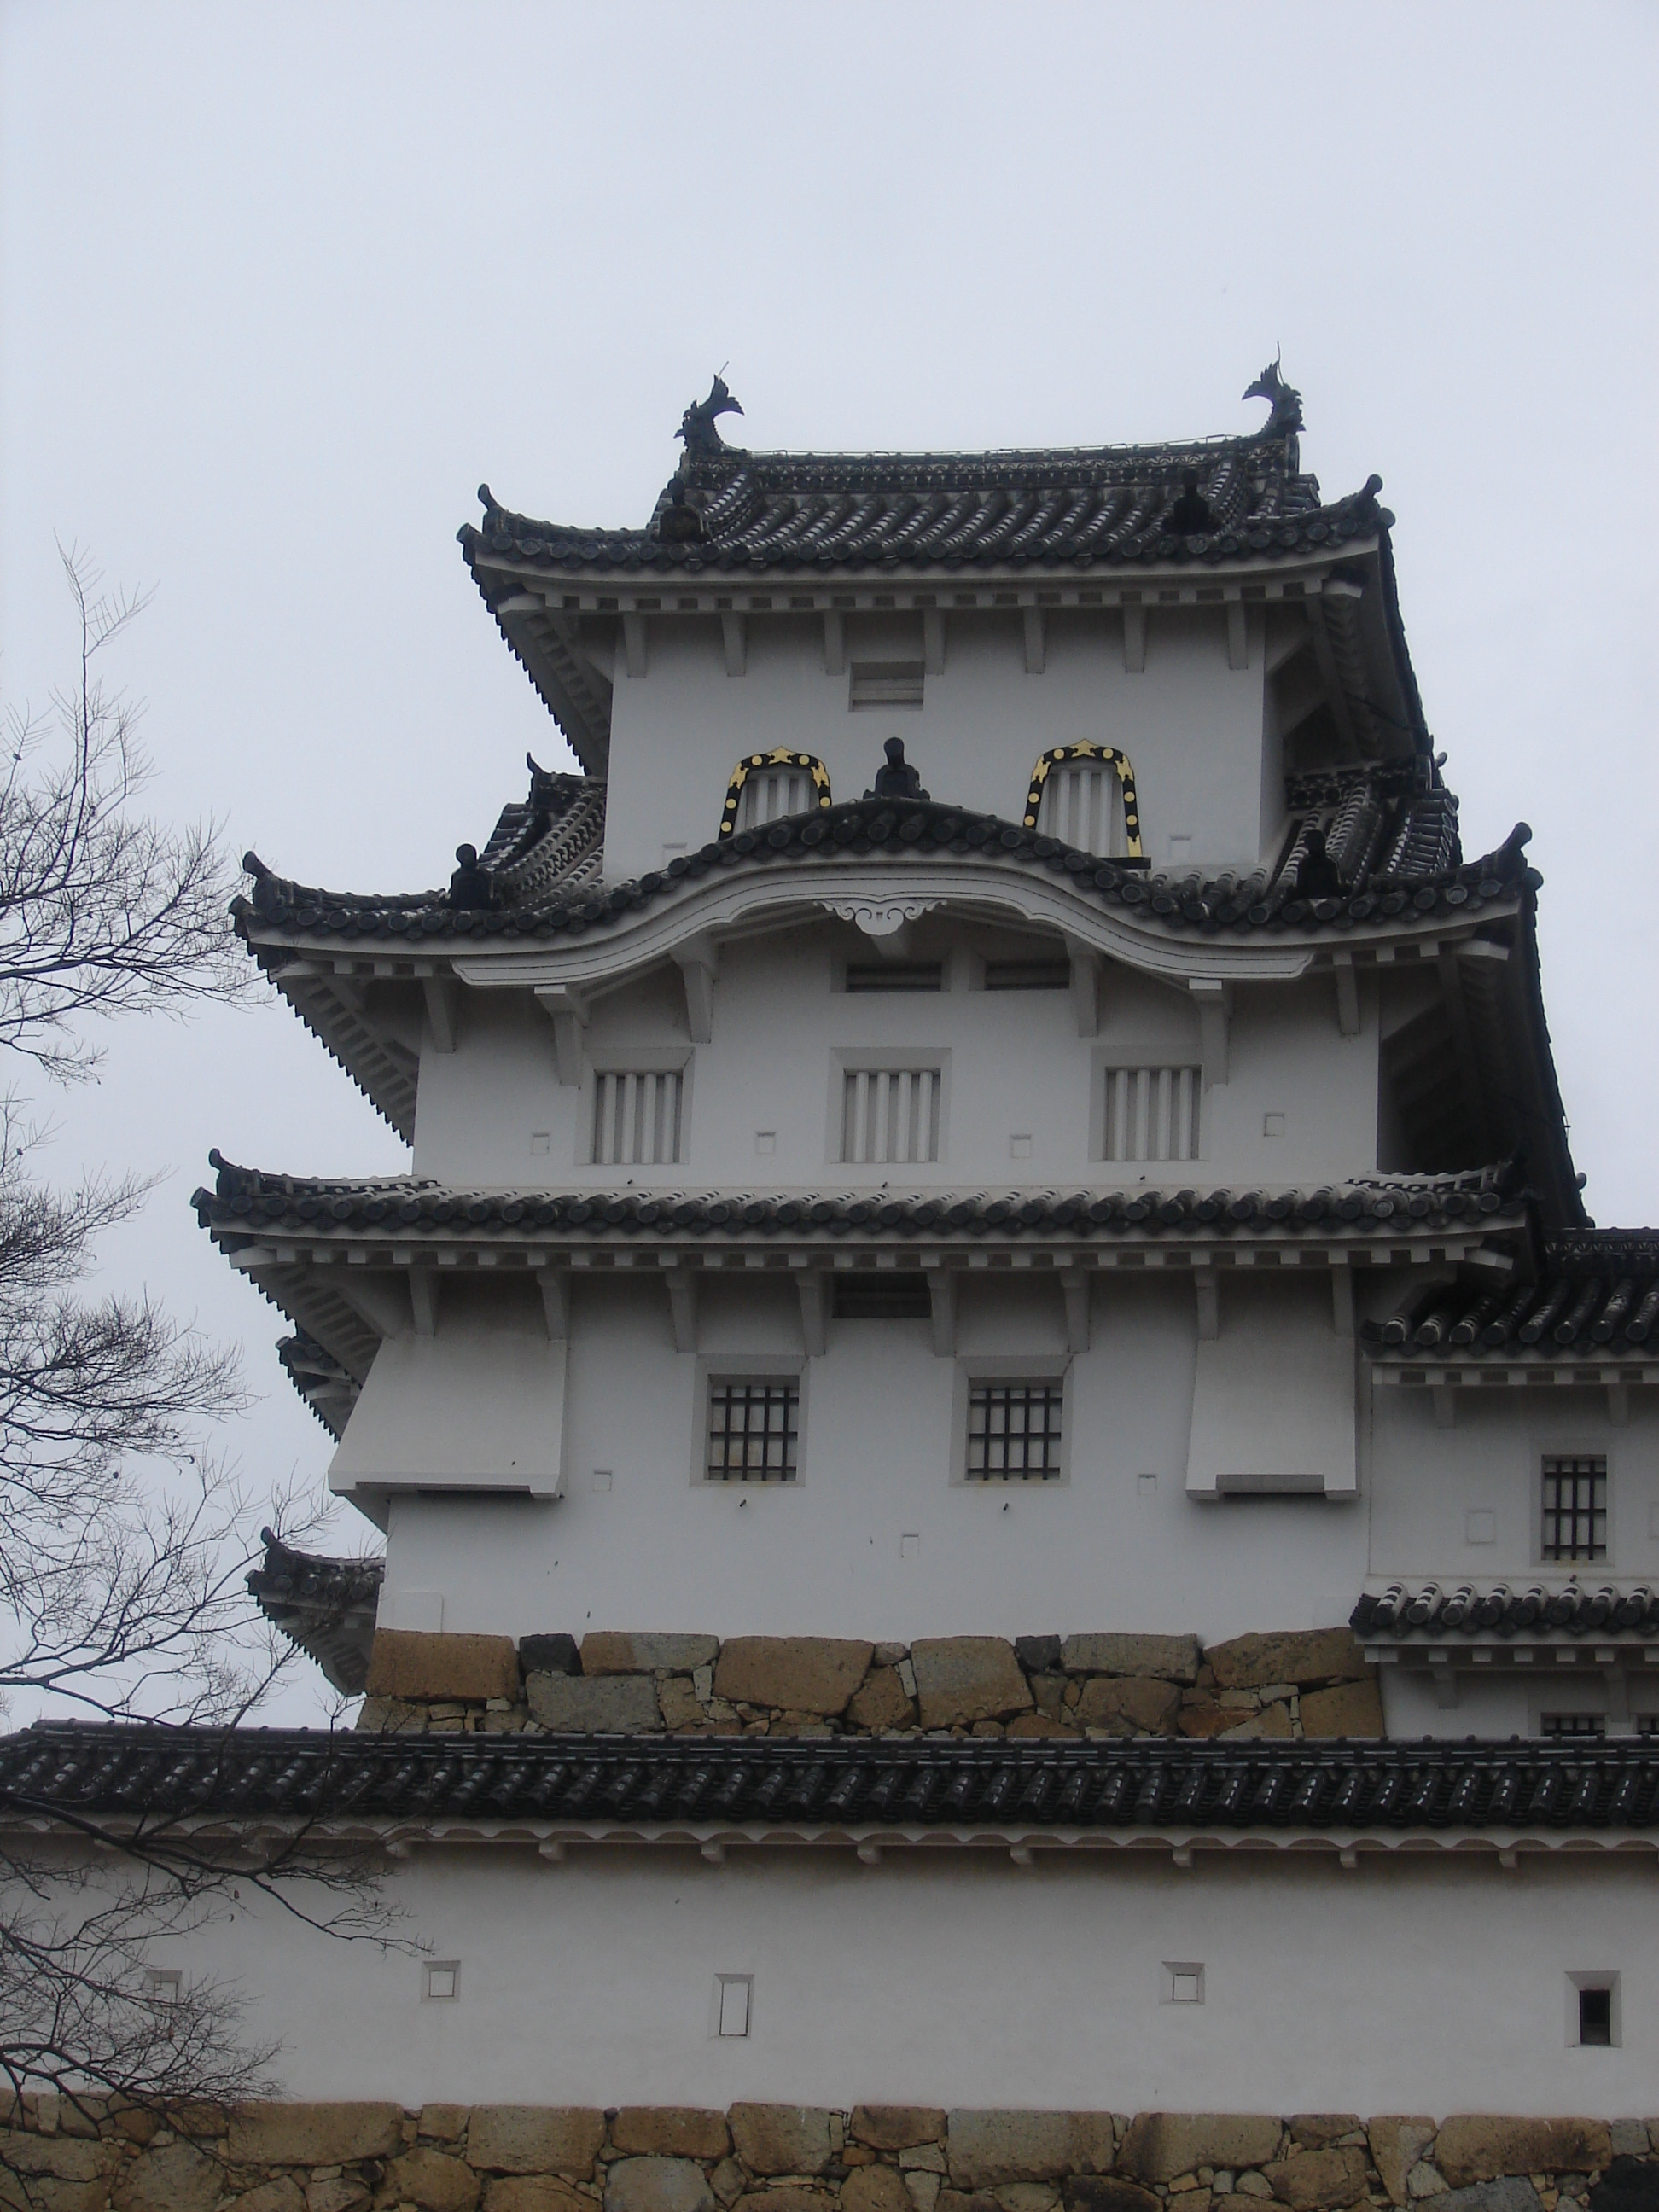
(1295, 1683)
(55, 2157)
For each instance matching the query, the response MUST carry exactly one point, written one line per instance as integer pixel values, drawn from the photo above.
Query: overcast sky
(280, 285)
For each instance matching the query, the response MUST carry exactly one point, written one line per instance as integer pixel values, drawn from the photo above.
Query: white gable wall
(1192, 725)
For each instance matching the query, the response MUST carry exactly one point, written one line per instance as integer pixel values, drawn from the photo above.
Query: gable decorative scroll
(780, 756)
(1057, 755)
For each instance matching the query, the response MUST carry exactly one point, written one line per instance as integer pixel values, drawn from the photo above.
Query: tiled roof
(249, 1204)
(1405, 829)
(827, 1787)
(1433, 1611)
(1599, 1291)
(1204, 500)
(928, 511)
(326, 1606)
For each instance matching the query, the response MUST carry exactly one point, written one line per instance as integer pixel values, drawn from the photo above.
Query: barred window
(1014, 1431)
(1575, 1509)
(1566, 1726)
(771, 794)
(1082, 805)
(753, 1430)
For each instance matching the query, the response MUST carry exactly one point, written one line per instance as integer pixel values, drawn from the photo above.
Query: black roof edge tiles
(1435, 1611)
(247, 1202)
(942, 1786)
(1238, 902)
(1596, 1295)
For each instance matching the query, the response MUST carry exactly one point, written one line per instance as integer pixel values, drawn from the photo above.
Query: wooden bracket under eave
(698, 963)
(1076, 1285)
(1214, 1001)
(1348, 994)
(814, 1312)
(1134, 639)
(942, 1291)
(1036, 641)
(442, 994)
(734, 637)
(566, 1007)
(682, 1287)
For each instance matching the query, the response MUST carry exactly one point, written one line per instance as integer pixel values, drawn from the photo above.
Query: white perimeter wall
(964, 1980)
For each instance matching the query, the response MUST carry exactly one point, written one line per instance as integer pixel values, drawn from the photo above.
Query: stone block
(1481, 2146)
(1167, 1658)
(787, 2200)
(432, 2180)
(313, 2134)
(549, 1655)
(1206, 1720)
(875, 2188)
(1348, 1709)
(681, 1705)
(1160, 2145)
(1629, 2139)
(656, 2185)
(1038, 1655)
(923, 2189)
(340, 2194)
(645, 1651)
(1128, 1705)
(961, 1679)
(1023, 1724)
(989, 2147)
(1106, 2192)
(51, 2156)
(173, 2177)
(535, 2138)
(282, 2194)
(407, 1662)
(1318, 2180)
(1513, 2193)
(1631, 2183)
(1398, 2139)
(881, 1704)
(799, 1673)
(895, 2127)
(533, 2192)
(1271, 1721)
(1027, 2196)
(728, 2181)
(781, 2138)
(390, 1716)
(953, 2200)
(443, 2123)
(1316, 2131)
(615, 1705)
(1298, 1655)
(671, 2131)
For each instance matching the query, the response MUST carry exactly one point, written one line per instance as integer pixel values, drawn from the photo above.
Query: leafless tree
(122, 1538)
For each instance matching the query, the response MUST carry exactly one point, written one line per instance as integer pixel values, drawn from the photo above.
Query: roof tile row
(247, 1199)
(1432, 1610)
(1243, 901)
(930, 1784)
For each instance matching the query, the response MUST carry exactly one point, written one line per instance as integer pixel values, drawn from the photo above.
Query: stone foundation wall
(788, 2158)
(1309, 1683)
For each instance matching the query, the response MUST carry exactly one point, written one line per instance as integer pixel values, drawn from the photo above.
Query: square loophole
(163, 1985)
(1183, 1981)
(441, 1981)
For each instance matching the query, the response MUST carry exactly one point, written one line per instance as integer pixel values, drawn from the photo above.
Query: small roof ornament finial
(896, 779)
(1284, 398)
(698, 424)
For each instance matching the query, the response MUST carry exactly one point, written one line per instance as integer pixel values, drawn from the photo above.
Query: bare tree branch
(124, 1538)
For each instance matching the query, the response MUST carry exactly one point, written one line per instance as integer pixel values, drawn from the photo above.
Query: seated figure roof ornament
(896, 779)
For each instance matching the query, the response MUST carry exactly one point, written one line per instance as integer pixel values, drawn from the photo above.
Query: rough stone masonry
(1313, 1682)
(101, 2156)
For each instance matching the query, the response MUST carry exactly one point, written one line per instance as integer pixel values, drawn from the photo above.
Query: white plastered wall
(956, 1979)
(1191, 724)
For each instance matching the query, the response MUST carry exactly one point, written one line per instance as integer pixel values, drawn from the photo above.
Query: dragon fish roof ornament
(1284, 398)
(698, 424)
